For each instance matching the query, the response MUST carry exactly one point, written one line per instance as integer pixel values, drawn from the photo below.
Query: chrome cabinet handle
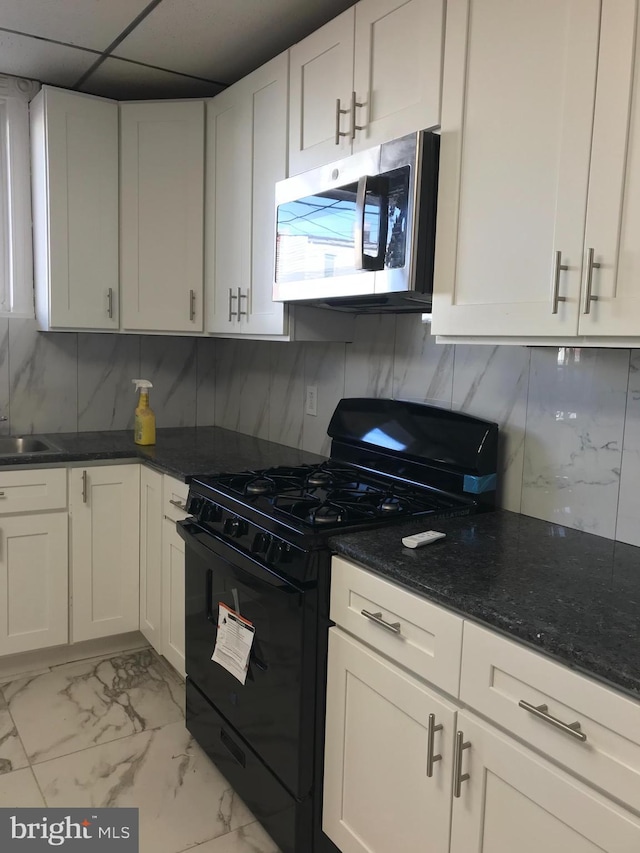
(555, 288)
(394, 627)
(232, 296)
(110, 303)
(241, 296)
(591, 266)
(192, 305)
(355, 126)
(431, 731)
(541, 712)
(84, 487)
(458, 776)
(2, 495)
(180, 506)
(340, 112)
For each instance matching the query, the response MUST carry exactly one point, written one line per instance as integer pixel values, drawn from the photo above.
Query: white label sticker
(233, 643)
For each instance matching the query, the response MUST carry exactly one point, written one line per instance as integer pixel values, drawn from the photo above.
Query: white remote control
(420, 539)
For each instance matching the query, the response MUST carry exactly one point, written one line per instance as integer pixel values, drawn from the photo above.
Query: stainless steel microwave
(359, 234)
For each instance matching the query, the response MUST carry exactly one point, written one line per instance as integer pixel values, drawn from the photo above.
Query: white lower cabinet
(34, 608)
(563, 789)
(515, 800)
(387, 778)
(105, 530)
(172, 595)
(151, 555)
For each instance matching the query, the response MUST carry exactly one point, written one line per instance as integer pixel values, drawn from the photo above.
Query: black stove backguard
(418, 443)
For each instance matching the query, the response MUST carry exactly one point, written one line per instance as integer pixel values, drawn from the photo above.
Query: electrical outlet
(311, 406)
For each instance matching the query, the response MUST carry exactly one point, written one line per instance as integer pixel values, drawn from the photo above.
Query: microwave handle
(380, 186)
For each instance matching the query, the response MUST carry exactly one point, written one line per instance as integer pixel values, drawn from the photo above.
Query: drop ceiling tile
(128, 81)
(220, 40)
(86, 23)
(41, 60)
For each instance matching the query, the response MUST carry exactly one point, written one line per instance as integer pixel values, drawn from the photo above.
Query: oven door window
(271, 711)
(344, 230)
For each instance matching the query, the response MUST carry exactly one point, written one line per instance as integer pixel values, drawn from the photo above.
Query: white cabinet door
(321, 69)
(397, 68)
(105, 550)
(514, 800)
(517, 113)
(228, 210)
(613, 214)
(74, 140)
(172, 595)
(161, 215)
(151, 556)
(34, 607)
(246, 155)
(378, 796)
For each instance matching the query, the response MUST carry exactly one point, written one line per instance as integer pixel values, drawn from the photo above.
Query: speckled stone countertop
(572, 595)
(182, 452)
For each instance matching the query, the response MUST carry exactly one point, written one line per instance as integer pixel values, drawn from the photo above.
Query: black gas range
(257, 559)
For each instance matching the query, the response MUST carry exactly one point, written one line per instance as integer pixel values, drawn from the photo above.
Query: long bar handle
(355, 126)
(192, 305)
(241, 296)
(376, 185)
(542, 713)
(232, 296)
(178, 504)
(394, 627)
(340, 112)
(84, 487)
(458, 776)
(110, 303)
(588, 297)
(431, 731)
(555, 289)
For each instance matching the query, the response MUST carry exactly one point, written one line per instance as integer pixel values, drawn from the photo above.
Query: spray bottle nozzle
(142, 384)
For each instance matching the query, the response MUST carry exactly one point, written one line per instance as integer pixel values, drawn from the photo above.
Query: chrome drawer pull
(394, 627)
(431, 730)
(180, 506)
(339, 112)
(588, 296)
(541, 711)
(555, 284)
(458, 776)
(2, 495)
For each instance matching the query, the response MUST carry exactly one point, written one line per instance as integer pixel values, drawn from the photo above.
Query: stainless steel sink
(20, 445)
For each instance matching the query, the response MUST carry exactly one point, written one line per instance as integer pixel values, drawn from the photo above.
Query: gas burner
(390, 504)
(325, 514)
(319, 478)
(260, 486)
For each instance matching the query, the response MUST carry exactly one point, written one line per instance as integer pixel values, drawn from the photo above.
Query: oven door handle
(379, 185)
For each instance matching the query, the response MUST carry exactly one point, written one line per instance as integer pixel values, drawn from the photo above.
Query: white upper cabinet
(370, 75)
(74, 152)
(246, 156)
(517, 113)
(161, 215)
(539, 172)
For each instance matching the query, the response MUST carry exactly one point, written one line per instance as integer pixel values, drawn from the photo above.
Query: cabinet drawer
(421, 637)
(174, 498)
(33, 490)
(497, 674)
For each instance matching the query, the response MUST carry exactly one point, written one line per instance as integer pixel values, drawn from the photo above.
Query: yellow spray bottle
(145, 420)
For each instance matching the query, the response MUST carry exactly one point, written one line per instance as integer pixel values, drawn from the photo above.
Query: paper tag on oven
(233, 643)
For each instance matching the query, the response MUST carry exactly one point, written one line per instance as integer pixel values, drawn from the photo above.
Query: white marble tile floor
(110, 732)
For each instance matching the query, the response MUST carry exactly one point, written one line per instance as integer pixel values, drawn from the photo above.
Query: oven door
(274, 710)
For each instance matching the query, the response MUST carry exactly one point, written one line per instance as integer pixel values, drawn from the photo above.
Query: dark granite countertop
(570, 594)
(181, 451)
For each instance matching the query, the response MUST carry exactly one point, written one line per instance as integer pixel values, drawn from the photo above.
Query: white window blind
(16, 250)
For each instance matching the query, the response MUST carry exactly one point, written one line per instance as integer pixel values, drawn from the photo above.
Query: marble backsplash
(569, 417)
(67, 381)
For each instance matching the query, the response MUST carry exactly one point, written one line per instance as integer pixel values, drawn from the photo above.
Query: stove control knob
(279, 552)
(211, 512)
(194, 505)
(235, 527)
(261, 543)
